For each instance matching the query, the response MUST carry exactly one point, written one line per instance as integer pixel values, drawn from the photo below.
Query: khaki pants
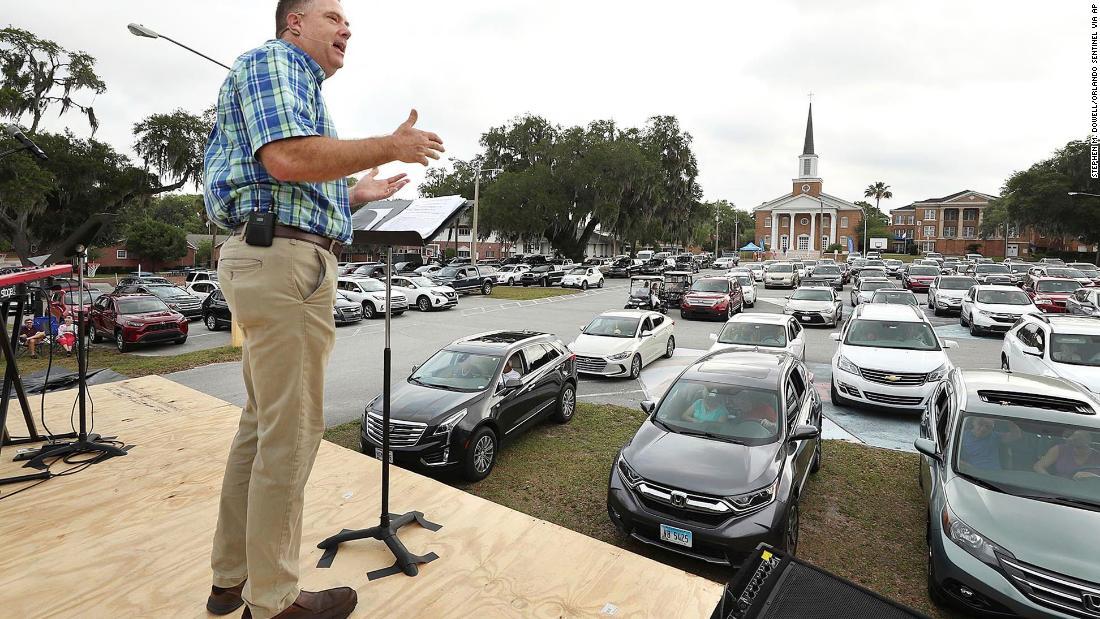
(281, 298)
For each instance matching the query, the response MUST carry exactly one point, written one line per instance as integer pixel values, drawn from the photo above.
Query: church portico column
(775, 230)
(790, 237)
(832, 221)
(813, 231)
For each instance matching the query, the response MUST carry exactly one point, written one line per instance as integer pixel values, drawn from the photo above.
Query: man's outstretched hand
(370, 188)
(411, 145)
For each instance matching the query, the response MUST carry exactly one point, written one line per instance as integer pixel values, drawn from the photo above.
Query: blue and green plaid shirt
(273, 92)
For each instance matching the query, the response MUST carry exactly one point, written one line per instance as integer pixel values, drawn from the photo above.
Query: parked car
(827, 274)
(712, 296)
(622, 342)
(1050, 294)
(371, 295)
(655, 266)
(888, 356)
(345, 310)
(1090, 270)
(748, 286)
(866, 287)
(869, 273)
(1059, 271)
(201, 276)
(686, 262)
(1064, 346)
(625, 267)
(215, 311)
(135, 319)
(374, 270)
(724, 263)
(919, 276)
(423, 293)
(509, 274)
(893, 267)
(895, 297)
(543, 275)
(200, 289)
(721, 462)
(133, 280)
(815, 305)
(72, 303)
(603, 264)
(772, 332)
(991, 274)
(946, 292)
(428, 270)
(455, 409)
(757, 269)
(1050, 261)
(994, 308)
(174, 297)
(1010, 472)
(583, 277)
(1084, 302)
(781, 274)
(467, 279)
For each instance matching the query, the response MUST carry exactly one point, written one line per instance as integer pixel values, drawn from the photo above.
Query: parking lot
(355, 373)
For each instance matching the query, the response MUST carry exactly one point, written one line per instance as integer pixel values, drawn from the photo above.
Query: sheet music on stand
(405, 222)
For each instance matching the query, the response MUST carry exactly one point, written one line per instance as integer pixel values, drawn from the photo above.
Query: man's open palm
(370, 188)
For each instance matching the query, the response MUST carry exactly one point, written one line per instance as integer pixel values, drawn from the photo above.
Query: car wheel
(636, 367)
(936, 311)
(599, 284)
(211, 322)
(1004, 363)
(584, 285)
(481, 455)
(974, 330)
(935, 593)
(487, 288)
(962, 318)
(790, 532)
(931, 305)
(511, 282)
(423, 304)
(683, 314)
(368, 310)
(120, 343)
(181, 340)
(835, 397)
(670, 347)
(567, 404)
(93, 334)
(729, 311)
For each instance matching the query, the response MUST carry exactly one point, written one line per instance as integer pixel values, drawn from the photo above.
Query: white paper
(423, 216)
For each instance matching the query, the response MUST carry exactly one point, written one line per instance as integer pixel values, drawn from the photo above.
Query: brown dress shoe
(328, 604)
(223, 601)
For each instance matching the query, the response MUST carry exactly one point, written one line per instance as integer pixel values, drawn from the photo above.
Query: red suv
(918, 276)
(1050, 293)
(712, 296)
(132, 319)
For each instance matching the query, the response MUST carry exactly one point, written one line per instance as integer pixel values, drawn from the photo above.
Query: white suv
(994, 308)
(888, 356)
(583, 277)
(510, 274)
(1062, 346)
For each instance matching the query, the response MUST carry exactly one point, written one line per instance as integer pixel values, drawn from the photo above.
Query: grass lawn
(129, 364)
(519, 293)
(862, 514)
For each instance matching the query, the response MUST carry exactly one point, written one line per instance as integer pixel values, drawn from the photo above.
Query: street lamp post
(715, 230)
(141, 31)
(473, 227)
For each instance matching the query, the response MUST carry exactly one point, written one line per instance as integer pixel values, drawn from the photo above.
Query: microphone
(299, 34)
(17, 133)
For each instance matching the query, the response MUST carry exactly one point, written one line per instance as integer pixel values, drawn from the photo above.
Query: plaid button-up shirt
(273, 92)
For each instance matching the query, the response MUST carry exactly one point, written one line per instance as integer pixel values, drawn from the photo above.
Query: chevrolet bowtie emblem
(893, 378)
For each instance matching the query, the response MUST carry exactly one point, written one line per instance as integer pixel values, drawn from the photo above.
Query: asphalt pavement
(354, 374)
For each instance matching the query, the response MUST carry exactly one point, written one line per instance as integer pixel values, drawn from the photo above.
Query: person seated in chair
(30, 336)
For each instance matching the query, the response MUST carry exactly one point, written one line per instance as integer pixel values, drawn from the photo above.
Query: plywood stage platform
(130, 537)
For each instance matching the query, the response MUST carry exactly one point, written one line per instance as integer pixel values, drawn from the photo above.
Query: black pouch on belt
(260, 229)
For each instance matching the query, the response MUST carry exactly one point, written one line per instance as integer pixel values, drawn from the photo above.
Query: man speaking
(275, 174)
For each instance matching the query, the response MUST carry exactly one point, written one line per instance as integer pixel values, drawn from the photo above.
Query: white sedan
(425, 294)
(747, 282)
(774, 332)
(203, 288)
(509, 274)
(583, 278)
(620, 343)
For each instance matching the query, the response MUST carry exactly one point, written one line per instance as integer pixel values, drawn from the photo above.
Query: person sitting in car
(981, 444)
(510, 370)
(759, 407)
(1074, 459)
(708, 408)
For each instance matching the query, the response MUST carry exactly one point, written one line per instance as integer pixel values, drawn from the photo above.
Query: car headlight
(970, 540)
(937, 374)
(844, 364)
(619, 356)
(628, 474)
(752, 501)
(985, 313)
(444, 429)
(787, 310)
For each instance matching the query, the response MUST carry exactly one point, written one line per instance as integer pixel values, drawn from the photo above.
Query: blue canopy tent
(752, 247)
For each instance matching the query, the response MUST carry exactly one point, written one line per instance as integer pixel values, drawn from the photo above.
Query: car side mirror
(1034, 352)
(415, 367)
(928, 448)
(581, 328)
(714, 337)
(647, 333)
(803, 433)
(950, 344)
(835, 336)
(648, 406)
(512, 382)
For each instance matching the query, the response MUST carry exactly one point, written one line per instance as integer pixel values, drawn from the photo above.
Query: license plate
(675, 535)
(378, 454)
(804, 318)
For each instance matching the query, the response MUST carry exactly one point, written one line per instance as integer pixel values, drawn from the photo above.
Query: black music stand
(76, 245)
(389, 223)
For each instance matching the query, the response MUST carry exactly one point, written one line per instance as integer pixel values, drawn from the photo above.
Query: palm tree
(879, 191)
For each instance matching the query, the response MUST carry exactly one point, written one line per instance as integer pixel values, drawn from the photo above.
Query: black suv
(543, 275)
(720, 464)
(174, 297)
(466, 278)
(454, 410)
(623, 267)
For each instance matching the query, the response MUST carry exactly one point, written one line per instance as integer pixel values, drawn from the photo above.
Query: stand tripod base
(405, 561)
(89, 445)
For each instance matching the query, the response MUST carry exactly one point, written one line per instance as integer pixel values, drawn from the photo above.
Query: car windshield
(753, 334)
(744, 280)
(1075, 348)
(1055, 462)
(371, 285)
(167, 292)
(874, 285)
(613, 326)
(623, 262)
(1056, 285)
(457, 371)
(991, 268)
(449, 271)
(71, 298)
(1003, 297)
(141, 306)
(872, 272)
(1017, 267)
(1093, 273)
(892, 263)
(420, 282)
(781, 268)
(580, 271)
(1065, 272)
(897, 297)
(892, 334)
(711, 285)
(542, 268)
(721, 412)
(812, 294)
(826, 270)
(921, 269)
(957, 283)
(875, 263)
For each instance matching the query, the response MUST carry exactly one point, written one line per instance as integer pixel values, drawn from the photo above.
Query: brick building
(806, 220)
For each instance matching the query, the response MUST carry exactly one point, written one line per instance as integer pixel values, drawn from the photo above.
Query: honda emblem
(1091, 601)
(678, 498)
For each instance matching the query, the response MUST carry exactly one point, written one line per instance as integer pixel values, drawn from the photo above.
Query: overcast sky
(930, 97)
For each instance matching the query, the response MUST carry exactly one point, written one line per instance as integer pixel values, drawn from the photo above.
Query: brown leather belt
(290, 232)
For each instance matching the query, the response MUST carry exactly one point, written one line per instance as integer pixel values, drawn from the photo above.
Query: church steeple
(807, 180)
(808, 147)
